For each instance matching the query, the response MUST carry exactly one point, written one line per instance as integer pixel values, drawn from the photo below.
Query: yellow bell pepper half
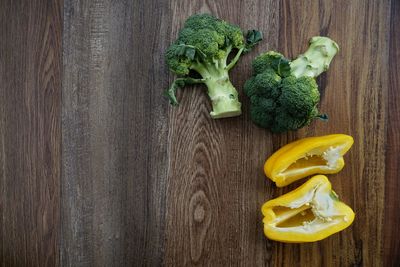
(308, 156)
(309, 213)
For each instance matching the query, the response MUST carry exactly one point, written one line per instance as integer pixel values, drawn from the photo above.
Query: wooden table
(97, 169)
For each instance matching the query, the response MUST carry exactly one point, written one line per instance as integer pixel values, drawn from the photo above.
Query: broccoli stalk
(316, 59)
(224, 97)
(203, 46)
(284, 95)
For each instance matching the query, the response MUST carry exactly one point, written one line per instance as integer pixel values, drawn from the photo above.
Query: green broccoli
(203, 47)
(284, 95)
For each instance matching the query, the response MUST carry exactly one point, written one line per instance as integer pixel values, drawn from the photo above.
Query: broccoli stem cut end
(224, 97)
(316, 59)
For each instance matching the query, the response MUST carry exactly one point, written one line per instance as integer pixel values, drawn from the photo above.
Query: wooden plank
(215, 181)
(135, 172)
(391, 241)
(30, 135)
(216, 185)
(354, 96)
(114, 127)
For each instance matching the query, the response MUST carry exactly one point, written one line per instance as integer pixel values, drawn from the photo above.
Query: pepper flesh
(309, 213)
(308, 156)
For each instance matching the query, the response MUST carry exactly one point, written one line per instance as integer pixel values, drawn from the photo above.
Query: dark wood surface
(114, 128)
(30, 132)
(98, 170)
(392, 178)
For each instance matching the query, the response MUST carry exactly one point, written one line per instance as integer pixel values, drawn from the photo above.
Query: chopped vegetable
(308, 156)
(284, 95)
(203, 47)
(309, 213)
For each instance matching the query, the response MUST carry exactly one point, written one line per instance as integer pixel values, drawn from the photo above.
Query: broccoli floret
(299, 95)
(284, 95)
(203, 46)
(262, 110)
(283, 105)
(271, 60)
(283, 121)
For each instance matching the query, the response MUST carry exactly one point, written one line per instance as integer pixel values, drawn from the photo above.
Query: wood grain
(216, 185)
(391, 242)
(30, 133)
(114, 126)
(354, 94)
(98, 170)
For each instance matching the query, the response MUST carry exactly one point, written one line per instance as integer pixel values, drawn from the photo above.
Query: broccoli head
(203, 46)
(299, 95)
(271, 60)
(284, 95)
(265, 84)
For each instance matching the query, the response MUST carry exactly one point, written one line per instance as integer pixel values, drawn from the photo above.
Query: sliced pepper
(308, 156)
(309, 213)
